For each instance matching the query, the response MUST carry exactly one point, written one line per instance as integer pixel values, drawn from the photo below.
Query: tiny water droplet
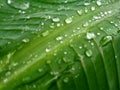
(25, 40)
(86, 3)
(40, 70)
(65, 53)
(56, 19)
(5, 80)
(105, 40)
(45, 33)
(90, 35)
(98, 34)
(85, 24)
(59, 38)
(86, 10)
(66, 80)
(48, 61)
(68, 20)
(88, 53)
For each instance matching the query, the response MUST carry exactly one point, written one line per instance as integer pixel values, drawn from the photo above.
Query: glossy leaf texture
(59, 44)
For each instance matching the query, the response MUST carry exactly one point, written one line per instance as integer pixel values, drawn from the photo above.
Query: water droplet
(25, 40)
(86, 10)
(40, 70)
(47, 49)
(92, 8)
(92, 43)
(85, 24)
(55, 73)
(21, 5)
(58, 24)
(80, 47)
(48, 61)
(56, 19)
(59, 38)
(98, 34)
(96, 17)
(9, 1)
(66, 80)
(5, 80)
(109, 12)
(90, 35)
(99, 3)
(79, 12)
(68, 20)
(86, 3)
(8, 73)
(105, 40)
(45, 33)
(65, 53)
(88, 53)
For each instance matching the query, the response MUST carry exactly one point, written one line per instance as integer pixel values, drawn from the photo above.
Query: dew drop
(56, 19)
(68, 20)
(40, 70)
(92, 8)
(98, 34)
(21, 5)
(48, 61)
(80, 47)
(105, 40)
(85, 24)
(88, 53)
(66, 80)
(25, 40)
(45, 33)
(90, 35)
(65, 53)
(9, 1)
(86, 3)
(99, 3)
(59, 38)
(8, 73)
(5, 80)
(79, 12)
(47, 49)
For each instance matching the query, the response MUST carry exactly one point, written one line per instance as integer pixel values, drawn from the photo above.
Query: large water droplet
(68, 20)
(88, 53)
(90, 35)
(98, 3)
(22, 5)
(92, 8)
(47, 49)
(105, 40)
(9, 1)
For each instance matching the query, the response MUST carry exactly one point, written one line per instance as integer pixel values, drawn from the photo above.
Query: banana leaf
(59, 44)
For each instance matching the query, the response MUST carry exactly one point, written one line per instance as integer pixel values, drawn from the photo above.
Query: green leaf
(59, 44)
